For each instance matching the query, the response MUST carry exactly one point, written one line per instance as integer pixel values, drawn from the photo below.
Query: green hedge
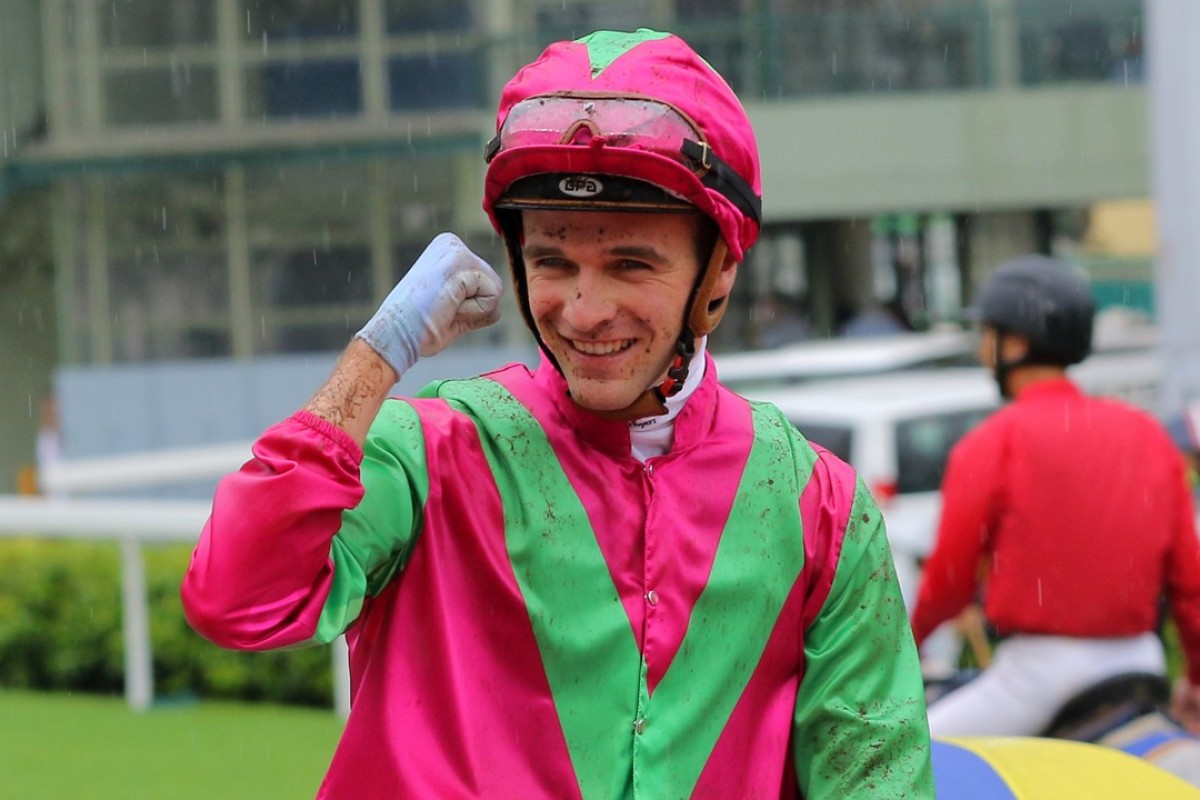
(60, 629)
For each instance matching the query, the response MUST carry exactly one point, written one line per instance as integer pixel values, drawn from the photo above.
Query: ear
(1013, 347)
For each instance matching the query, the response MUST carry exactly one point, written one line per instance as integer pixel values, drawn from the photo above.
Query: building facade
(244, 180)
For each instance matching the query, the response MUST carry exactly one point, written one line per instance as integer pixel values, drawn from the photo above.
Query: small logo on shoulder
(580, 186)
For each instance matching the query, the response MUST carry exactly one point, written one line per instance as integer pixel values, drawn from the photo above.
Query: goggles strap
(491, 149)
(723, 178)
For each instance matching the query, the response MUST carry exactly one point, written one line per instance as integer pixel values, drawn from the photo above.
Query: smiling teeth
(601, 348)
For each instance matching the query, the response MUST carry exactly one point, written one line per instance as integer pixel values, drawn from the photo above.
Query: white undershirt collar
(652, 436)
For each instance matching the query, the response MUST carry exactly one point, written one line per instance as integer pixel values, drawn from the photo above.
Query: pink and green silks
(534, 613)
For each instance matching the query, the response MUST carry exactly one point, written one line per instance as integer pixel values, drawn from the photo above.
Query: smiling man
(606, 290)
(609, 577)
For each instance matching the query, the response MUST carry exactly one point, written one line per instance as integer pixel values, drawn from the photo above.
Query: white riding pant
(1032, 677)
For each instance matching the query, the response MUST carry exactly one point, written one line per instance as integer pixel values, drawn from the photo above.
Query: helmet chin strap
(701, 318)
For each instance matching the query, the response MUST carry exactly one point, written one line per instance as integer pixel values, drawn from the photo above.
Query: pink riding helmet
(639, 105)
(629, 121)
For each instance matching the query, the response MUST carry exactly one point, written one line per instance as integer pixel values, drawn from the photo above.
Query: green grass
(84, 747)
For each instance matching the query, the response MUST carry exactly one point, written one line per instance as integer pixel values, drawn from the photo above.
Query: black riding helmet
(1043, 299)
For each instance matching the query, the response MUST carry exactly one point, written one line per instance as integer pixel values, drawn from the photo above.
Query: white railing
(133, 523)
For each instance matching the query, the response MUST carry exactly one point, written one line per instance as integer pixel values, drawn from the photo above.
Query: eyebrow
(642, 252)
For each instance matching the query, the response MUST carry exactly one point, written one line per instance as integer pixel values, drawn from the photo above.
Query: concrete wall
(952, 151)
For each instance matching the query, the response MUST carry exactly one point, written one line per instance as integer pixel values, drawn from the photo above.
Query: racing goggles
(623, 121)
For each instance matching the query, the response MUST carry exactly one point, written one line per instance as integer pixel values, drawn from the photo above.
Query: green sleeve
(860, 728)
(377, 535)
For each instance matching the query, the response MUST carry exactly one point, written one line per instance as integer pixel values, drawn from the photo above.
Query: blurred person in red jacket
(1069, 517)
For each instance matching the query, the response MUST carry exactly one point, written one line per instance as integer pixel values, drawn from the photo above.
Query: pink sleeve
(261, 570)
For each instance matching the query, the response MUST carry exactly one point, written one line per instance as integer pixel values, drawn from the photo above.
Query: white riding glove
(447, 292)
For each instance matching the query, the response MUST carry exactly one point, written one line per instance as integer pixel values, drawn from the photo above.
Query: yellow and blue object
(1030, 768)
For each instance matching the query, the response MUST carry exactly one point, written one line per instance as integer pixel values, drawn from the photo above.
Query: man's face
(607, 291)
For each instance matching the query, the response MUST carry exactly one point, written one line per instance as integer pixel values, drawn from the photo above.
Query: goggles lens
(630, 122)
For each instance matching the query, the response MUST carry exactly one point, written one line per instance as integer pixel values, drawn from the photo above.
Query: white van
(830, 358)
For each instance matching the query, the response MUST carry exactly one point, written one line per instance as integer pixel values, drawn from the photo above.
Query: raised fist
(447, 292)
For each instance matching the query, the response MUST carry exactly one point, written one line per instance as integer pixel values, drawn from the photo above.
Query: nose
(590, 304)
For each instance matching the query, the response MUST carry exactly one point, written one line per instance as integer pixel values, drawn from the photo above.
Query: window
(407, 16)
(923, 445)
(156, 23)
(837, 439)
(169, 305)
(148, 278)
(305, 89)
(177, 93)
(431, 65)
(299, 19)
(434, 80)
(156, 63)
(308, 64)
(311, 299)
